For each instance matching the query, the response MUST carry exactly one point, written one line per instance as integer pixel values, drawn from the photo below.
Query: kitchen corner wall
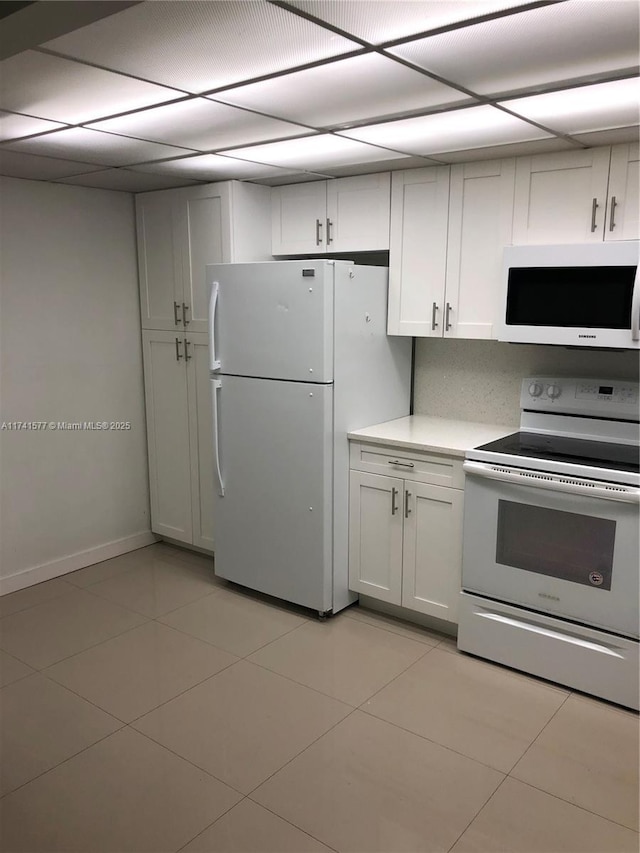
(480, 380)
(70, 351)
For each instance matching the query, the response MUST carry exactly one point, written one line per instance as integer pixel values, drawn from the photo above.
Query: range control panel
(601, 398)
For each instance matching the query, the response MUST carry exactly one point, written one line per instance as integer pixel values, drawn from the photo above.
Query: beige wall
(69, 351)
(480, 380)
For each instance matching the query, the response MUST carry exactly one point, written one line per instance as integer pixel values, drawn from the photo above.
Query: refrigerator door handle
(217, 384)
(214, 363)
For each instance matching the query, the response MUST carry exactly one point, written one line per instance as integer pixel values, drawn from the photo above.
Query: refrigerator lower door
(273, 524)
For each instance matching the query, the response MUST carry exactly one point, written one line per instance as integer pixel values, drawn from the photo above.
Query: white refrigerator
(299, 357)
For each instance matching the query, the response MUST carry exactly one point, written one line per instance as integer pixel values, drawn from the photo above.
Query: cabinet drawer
(421, 466)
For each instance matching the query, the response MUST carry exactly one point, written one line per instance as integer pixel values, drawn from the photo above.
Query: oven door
(553, 544)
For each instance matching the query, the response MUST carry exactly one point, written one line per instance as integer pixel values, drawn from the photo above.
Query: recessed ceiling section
(474, 127)
(125, 180)
(51, 88)
(199, 46)
(315, 153)
(379, 21)
(344, 92)
(17, 165)
(566, 41)
(601, 106)
(14, 125)
(212, 167)
(200, 124)
(91, 146)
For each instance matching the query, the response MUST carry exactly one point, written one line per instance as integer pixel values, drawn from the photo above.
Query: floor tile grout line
(561, 705)
(480, 810)
(347, 614)
(37, 603)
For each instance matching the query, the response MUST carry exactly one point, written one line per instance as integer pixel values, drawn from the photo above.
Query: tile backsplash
(480, 380)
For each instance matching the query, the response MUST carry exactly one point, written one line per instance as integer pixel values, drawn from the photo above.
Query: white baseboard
(64, 565)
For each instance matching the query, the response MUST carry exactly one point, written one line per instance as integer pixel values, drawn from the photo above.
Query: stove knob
(554, 391)
(535, 389)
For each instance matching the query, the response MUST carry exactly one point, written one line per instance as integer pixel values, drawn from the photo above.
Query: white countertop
(438, 435)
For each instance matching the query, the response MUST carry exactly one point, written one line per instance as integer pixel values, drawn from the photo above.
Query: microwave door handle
(635, 307)
(214, 363)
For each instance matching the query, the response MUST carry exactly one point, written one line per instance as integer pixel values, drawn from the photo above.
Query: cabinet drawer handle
(434, 310)
(185, 308)
(329, 237)
(594, 207)
(394, 495)
(187, 357)
(178, 355)
(318, 232)
(407, 495)
(612, 218)
(447, 314)
(176, 319)
(401, 464)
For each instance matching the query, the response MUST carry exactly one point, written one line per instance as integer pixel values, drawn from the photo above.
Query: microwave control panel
(611, 399)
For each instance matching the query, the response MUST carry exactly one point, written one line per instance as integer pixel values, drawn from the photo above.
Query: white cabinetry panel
(623, 210)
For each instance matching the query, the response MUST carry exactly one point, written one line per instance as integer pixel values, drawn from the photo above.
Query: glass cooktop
(577, 451)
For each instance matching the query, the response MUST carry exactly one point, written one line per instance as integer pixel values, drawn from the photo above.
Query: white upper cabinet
(341, 215)
(623, 205)
(418, 251)
(561, 198)
(480, 225)
(180, 232)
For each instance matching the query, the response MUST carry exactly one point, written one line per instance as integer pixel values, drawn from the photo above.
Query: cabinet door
(417, 254)
(432, 550)
(480, 224)
(375, 536)
(165, 382)
(298, 214)
(624, 205)
(358, 213)
(561, 198)
(158, 262)
(203, 228)
(201, 439)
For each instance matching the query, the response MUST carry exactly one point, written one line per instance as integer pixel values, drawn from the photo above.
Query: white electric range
(551, 554)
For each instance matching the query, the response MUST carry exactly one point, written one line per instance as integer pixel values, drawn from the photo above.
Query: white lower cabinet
(405, 532)
(179, 430)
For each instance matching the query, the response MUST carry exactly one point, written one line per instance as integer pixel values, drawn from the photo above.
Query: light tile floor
(148, 706)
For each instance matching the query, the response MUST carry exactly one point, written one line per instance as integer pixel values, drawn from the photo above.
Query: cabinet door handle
(402, 464)
(594, 207)
(185, 308)
(187, 357)
(394, 495)
(329, 237)
(178, 355)
(434, 310)
(447, 314)
(318, 232)
(407, 495)
(176, 308)
(612, 218)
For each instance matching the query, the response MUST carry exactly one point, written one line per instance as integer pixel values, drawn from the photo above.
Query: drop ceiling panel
(91, 146)
(13, 125)
(127, 181)
(562, 42)
(610, 137)
(381, 166)
(201, 124)
(348, 90)
(52, 88)
(378, 21)
(315, 153)
(199, 46)
(474, 127)
(513, 149)
(18, 165)
(598, 107)
(212, 167)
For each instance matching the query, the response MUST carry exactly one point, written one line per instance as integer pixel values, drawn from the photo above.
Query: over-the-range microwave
(572, 295)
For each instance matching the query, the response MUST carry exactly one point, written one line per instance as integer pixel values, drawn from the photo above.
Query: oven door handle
(553, 483)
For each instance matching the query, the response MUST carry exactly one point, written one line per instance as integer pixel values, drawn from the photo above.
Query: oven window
(565, 545)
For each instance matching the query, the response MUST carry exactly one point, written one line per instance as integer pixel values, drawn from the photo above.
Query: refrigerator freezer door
(274, 320)
(273, 526)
